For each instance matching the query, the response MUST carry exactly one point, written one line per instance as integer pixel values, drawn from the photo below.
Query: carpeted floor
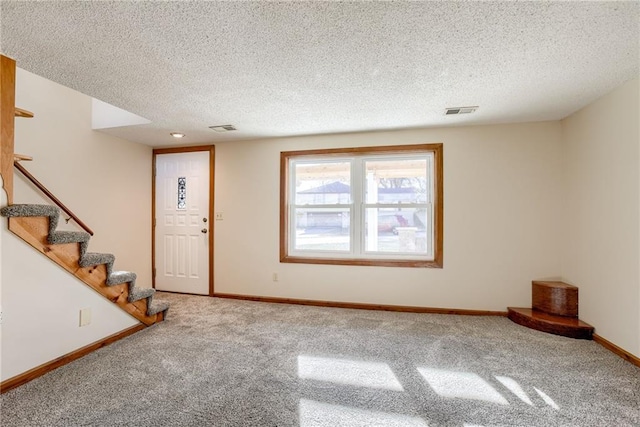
(234, 363)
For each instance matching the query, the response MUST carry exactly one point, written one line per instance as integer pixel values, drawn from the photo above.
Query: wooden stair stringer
(35, 230)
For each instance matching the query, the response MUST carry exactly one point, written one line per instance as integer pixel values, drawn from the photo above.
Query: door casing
(156, 151)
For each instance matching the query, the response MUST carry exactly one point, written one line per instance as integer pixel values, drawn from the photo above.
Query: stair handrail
(53, 198)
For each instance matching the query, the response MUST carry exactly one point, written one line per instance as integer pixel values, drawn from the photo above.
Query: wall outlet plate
(85, 317)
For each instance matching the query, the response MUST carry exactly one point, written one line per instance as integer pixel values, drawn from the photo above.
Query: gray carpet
(235, 363)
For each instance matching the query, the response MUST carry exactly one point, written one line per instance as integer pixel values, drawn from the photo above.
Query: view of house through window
(350, 206)
(322, 209)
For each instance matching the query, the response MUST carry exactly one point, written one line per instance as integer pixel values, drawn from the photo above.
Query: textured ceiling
(278, 69)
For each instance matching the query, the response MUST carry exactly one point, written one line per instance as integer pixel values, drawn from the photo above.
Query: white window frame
(357, 253)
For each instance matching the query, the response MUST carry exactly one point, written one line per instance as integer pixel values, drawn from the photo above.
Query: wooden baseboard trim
(38, 371)
(362, 306)
(617, 350)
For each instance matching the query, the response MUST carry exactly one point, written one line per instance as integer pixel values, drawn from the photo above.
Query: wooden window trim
(436, 148)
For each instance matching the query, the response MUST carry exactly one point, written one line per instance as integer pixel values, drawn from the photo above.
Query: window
(362, 206)
(182, 193)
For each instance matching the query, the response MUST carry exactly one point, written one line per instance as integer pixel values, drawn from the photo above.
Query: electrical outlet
(275, 277)
(219, 216)
(85, 317)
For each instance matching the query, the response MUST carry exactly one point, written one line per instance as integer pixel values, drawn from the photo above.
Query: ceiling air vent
(460, 110)
(223, 128)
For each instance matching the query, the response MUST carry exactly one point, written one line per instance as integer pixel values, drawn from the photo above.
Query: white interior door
(182, 222)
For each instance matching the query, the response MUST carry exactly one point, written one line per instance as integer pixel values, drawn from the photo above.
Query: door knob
(204, 230)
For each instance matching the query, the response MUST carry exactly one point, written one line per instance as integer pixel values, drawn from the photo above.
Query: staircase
(554, 310)
(36, 224)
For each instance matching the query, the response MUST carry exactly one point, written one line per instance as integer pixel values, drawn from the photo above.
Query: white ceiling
(279, 69)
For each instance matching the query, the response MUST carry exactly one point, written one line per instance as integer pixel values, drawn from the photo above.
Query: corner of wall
(601, 213)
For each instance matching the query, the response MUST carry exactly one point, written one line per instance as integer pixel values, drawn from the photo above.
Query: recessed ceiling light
(460, 110)
(177, 134)
(223, 128)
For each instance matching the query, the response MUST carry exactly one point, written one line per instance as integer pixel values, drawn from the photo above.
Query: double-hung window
(362, 206)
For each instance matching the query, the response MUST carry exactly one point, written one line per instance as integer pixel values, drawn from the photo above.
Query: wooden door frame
(175, 150)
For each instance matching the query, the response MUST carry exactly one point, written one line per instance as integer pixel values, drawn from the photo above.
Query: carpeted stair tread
(61, 237)
(33, 210)
(157, 307)
(91, 259)
(29, 210)
(140, 293)
(118, 277)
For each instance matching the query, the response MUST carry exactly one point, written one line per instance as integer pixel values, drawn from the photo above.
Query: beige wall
(601, 252)
(41, 304)
(501, 227)
(107, 182)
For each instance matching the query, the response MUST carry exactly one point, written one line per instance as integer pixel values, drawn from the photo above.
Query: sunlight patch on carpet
(348, 372)
(548, 400)
(515, 388)
(463, 385)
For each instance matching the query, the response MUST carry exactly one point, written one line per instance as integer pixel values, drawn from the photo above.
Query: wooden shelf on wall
(23, 113)
(21, 157)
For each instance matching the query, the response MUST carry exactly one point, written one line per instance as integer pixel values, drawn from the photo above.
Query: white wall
(501, 227)
(601, 244)
(107, 182)
(41, 305)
